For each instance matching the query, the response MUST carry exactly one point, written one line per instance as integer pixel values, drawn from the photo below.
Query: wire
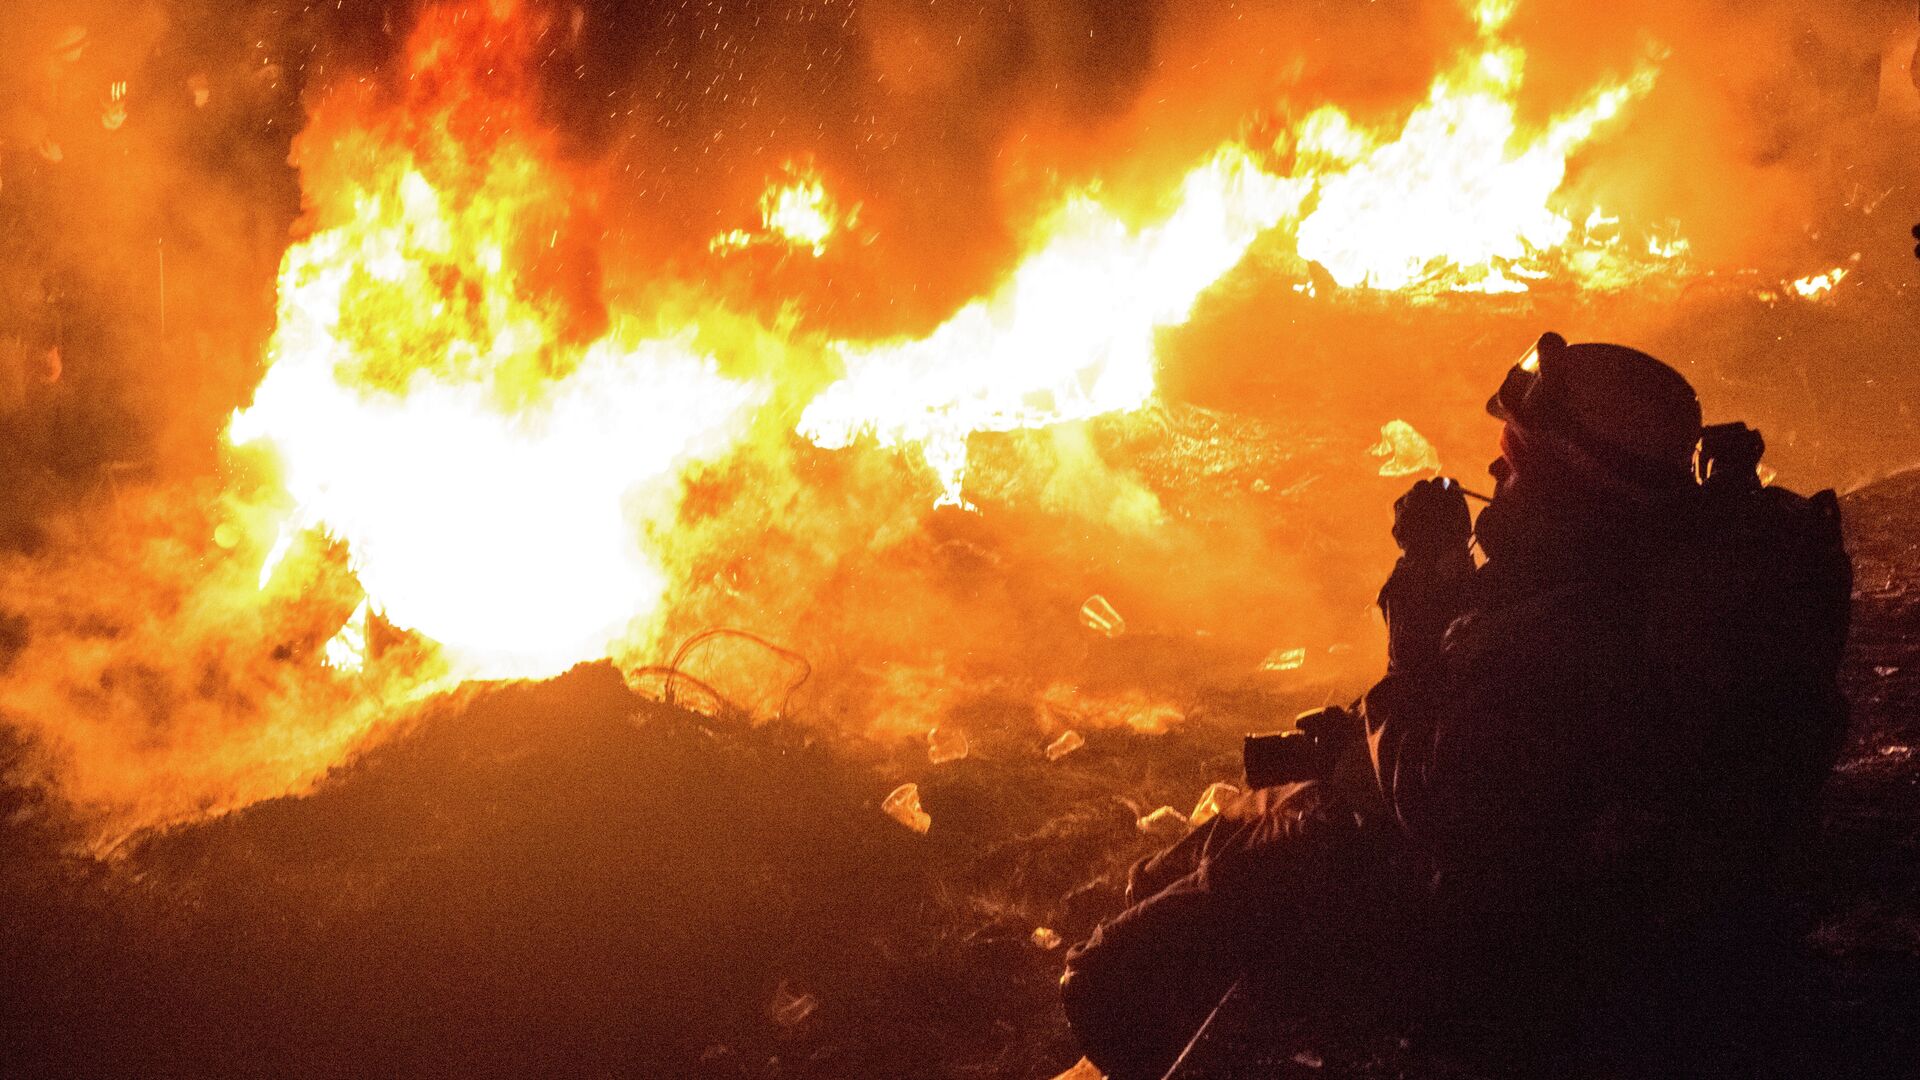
(673, 672)
(722, 706)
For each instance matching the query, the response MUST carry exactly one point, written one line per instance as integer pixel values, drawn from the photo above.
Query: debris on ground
(903, 806)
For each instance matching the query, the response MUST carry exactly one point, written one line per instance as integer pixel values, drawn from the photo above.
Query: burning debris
(796, 213)
(1067, 742)
(468, 381)
(974, 350)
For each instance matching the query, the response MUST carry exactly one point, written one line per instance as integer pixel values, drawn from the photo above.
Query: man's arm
(1494, 753)
(1426, 590)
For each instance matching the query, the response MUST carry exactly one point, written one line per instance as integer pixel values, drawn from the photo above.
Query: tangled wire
(673, 675)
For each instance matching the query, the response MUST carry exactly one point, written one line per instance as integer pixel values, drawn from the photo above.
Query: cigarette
(1454, 485)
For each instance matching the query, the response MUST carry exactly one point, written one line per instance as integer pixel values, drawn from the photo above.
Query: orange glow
(1462, 200)
(1070, 335)
(430, 404)
(1819, 286)
(797, 214)
(498, 446)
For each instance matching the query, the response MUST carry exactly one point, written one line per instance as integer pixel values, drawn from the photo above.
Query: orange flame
(1461, 200)
(797, 214)
(1067, 337)
(431, 404)
(448, 395)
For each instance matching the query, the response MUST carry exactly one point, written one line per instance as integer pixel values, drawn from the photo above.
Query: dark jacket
(1631, 710)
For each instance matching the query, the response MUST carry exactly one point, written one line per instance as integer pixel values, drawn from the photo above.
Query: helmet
(1631, 414)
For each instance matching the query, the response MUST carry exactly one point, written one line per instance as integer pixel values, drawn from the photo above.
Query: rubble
(1065, 744)
(903, 806)
(1098, 615)
(946, 744)
(1166, 821)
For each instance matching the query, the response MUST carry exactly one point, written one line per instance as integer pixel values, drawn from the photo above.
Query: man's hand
(1332, 728)
(1431, 525)
(1431, 521)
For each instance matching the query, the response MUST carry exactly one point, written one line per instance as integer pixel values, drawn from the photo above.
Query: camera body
(1305, 753)
(1730, 458)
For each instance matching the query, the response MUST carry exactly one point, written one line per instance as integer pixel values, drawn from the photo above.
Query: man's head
(1596, 416)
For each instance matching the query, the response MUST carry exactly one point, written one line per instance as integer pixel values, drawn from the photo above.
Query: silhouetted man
(1590, 751)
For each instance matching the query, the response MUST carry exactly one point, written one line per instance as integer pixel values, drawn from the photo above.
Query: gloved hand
(1332, 728)
(1424, 594)
(1431, 521)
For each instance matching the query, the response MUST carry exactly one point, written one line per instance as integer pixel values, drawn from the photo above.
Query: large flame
(448, 395)
(432, 405)
(1069, 336)
(464, 432)
(1461, 200)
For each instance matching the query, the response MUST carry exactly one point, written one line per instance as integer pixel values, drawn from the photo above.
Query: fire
(463, 434)
(1461, 200)
(798, 214)
(431, 403)
(1818, 286)
(450, 396)
(1067, 337)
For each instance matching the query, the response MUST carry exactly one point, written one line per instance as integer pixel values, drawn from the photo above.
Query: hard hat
(1632, 414)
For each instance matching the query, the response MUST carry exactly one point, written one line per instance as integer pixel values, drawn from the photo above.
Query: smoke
(146, 199)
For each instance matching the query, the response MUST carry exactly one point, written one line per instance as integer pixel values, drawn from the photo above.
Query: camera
(1730, 458)
(1289, 757)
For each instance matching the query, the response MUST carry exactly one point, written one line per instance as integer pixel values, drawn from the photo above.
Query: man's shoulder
(1542, 623)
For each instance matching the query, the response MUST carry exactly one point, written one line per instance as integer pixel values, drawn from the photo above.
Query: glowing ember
(1817, 286)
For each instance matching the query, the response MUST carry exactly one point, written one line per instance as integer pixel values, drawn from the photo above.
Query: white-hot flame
(1069, 336)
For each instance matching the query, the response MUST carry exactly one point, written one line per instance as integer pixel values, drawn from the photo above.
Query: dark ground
(566, 880)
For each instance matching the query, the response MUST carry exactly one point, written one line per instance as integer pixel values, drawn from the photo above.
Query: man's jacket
(1631, 709)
